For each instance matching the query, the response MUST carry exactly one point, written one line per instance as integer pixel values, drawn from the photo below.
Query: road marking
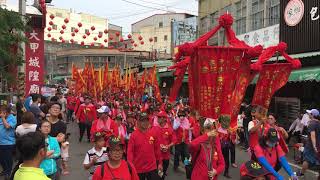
(299, 167)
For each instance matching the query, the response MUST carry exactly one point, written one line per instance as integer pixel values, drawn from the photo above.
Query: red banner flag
(271, 78)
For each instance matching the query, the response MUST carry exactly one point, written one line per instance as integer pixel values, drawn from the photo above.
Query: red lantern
(64, 26)
(92, 44)
(117, 34)
(84, 36)
(49, 28)
(50, 23)
(80, 24)
(88, 33)
(111, 38)
(100, 36)
(132, 41)
(82, 43)
(61, 32)
(135, 45)
(142, 42)
(60, 38)
(49, 35)
(150, 39)
(72, 41)
(51, 16)
(105, 40)
(95, 38)
(76, 30)
(52, 39)
(106, 31)
(129, 36)
(140, 38)
(121, 40)
(93, 28)
(63, 41)
(73, 34)
(66, 20)
(101, 46)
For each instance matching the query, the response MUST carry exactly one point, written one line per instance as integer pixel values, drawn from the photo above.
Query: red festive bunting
(72, 41)
(140, 38)
(93, 28)
(82, 43)
(88, 33)
(100, 36)
(49, 35)
(50, 23)
(61, 32)
(80, 24)
(106, 31)
(64, 26)
(84, 36)
(129, 36)
(66, 20)
(49, 28)
(135, 45)
(105, 40)
(51, 16)
(142, 42)
(73, 34)
(95, 38)
(132, 41)
(76, 30)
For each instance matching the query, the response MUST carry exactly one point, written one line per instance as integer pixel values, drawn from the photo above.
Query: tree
(12, 27)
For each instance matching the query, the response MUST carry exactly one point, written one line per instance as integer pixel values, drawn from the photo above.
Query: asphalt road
(78, 150)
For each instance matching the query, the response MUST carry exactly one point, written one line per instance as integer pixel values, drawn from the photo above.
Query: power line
(160, 9)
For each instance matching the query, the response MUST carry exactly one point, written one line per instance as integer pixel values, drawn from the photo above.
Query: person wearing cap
(164, 133)
(96, 155)
(182, 132)
(71, 103)
(85, 116)
(207, 158)
(116, 167)
(121, 128)
(252, 170)
(104, 123)
(268, 153)
(144, 150)
(311, 153)
(282, 133)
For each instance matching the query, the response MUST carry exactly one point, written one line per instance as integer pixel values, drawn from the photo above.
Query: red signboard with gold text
(34, 61)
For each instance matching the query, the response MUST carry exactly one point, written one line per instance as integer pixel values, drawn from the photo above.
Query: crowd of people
(135, 136)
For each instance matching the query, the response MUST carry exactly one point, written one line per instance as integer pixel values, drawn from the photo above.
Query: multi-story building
(249, 16)
(156, 31)
(65, 27)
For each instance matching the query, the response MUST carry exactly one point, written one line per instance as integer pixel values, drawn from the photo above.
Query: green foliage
(11, 28)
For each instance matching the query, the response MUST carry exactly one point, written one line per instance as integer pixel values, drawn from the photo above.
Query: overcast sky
(124, 13)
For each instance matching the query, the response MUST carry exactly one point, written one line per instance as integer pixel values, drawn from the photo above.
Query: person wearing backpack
(115, 167)
(207, 158)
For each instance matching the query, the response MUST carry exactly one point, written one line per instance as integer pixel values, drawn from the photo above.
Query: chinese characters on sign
(34, 61)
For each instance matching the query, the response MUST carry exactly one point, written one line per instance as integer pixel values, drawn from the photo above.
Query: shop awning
(299, 56)
(304, 74)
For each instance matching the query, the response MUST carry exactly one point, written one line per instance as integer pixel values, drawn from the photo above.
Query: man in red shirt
(164, 133)
(85, 116)
(144, 150)
(116, 167)
(71, 103)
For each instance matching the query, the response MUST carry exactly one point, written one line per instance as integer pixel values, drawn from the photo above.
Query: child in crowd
(62, 139)
(97, 155)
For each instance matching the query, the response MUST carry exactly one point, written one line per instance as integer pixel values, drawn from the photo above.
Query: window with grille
(160, 24)
(274, 12)
(241, 17)
(155, 39)
(165, 37)
(72, 29)
(257, 12)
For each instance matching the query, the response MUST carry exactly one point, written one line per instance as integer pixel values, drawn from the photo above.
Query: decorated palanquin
(219, 76)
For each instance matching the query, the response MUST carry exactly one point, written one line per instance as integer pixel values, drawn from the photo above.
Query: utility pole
(22, 12)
